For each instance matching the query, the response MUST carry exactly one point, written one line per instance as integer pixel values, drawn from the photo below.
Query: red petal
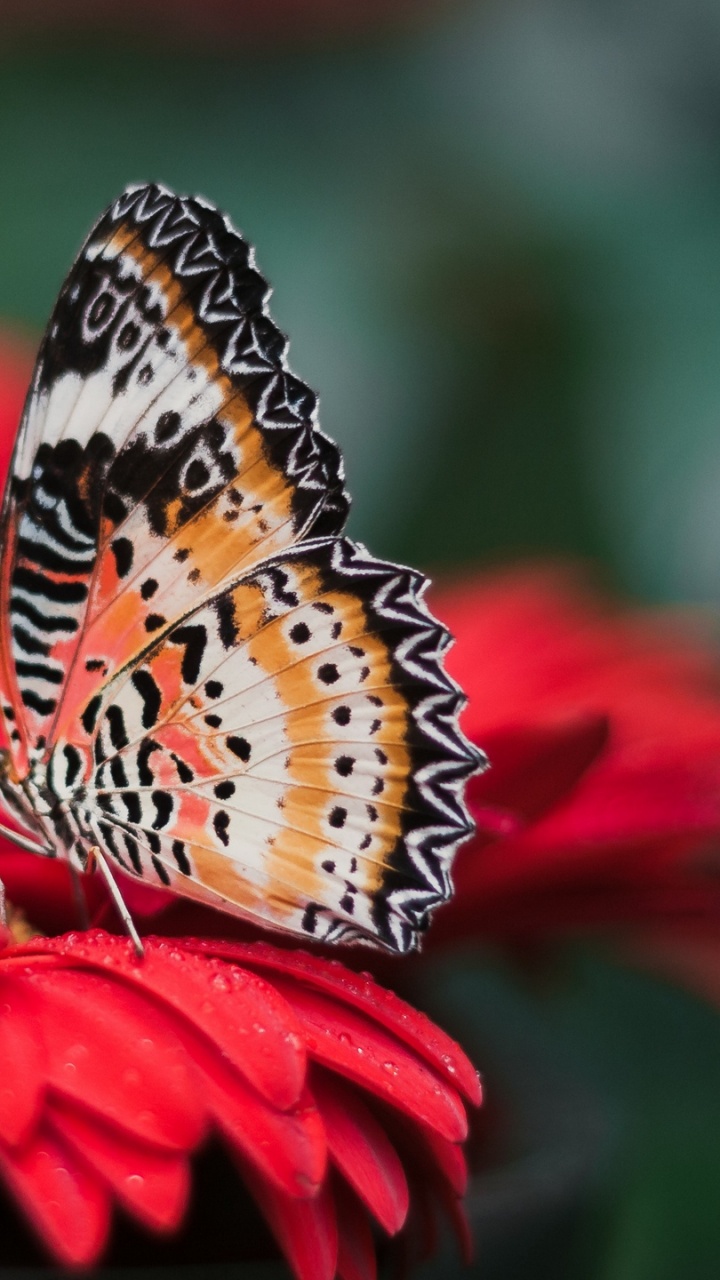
(356, 1047)
(23, 1061)
(449, 1159)
(356, 1247)
(153, 1185)
(42, 887)
(65, 1202)
(362, 992)
(288, 1147)
(306, 1230)
(534, 766)
(362, 1151)
(114, 1052)
(16, 361)
(243, 1015)
(455, 1210)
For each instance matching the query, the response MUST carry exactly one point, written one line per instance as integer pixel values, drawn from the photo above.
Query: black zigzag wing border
(216, 268)
(436, 820)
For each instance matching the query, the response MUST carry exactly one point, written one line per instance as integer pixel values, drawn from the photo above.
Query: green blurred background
(494, 233)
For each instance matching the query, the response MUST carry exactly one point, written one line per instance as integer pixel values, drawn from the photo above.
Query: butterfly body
(200, 675)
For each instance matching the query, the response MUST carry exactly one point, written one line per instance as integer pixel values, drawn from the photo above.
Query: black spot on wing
(146, 776)
(193, 636)
(43, 706)
(180, 856)
(160, 870)
(73, 764)
(163, 809)
(116, 725)
(89, 716)
(221, 822)
(122, 549)
(150, 694)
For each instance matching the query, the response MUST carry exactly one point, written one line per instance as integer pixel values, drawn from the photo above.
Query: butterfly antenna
(98, 857)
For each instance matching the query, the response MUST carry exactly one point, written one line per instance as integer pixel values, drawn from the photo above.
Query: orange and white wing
(289, 750)
(164, 449)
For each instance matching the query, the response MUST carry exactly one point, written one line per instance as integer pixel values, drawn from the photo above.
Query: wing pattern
(200, 675)
(164, 446)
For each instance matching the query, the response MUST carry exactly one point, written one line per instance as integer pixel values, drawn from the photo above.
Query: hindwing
(288, 750)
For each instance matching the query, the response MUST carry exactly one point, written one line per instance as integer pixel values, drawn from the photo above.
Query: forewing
(164, 449)
(289, 750)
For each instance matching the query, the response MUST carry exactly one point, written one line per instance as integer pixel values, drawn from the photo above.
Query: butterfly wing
(288, 750)
(222, 693)
(164, 448)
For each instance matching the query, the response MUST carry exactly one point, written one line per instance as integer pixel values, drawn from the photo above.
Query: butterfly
(204, 684)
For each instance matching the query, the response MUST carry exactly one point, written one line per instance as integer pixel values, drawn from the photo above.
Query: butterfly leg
(79, 897)
(96, 858)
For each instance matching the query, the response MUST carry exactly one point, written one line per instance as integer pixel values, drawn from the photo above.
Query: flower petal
(241, 1013)
(60, 1196)
(362, 1151)
(449, 1159)
(306, 1230)
(350, 1043)
(536, 765)
(108, 1050)
(23, 1062)
(288, 1147)
(153, 1185)
(362, 992)
(356, 1247)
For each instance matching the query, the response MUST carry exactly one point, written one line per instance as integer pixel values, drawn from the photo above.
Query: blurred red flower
(115, 1069)
(602, 803)
(16, 361)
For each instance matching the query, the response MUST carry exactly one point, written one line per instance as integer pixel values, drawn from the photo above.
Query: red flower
(16, 362)
(114, 1070)
(603, 733)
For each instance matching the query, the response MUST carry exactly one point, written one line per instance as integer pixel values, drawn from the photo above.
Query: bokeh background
(493, 227)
